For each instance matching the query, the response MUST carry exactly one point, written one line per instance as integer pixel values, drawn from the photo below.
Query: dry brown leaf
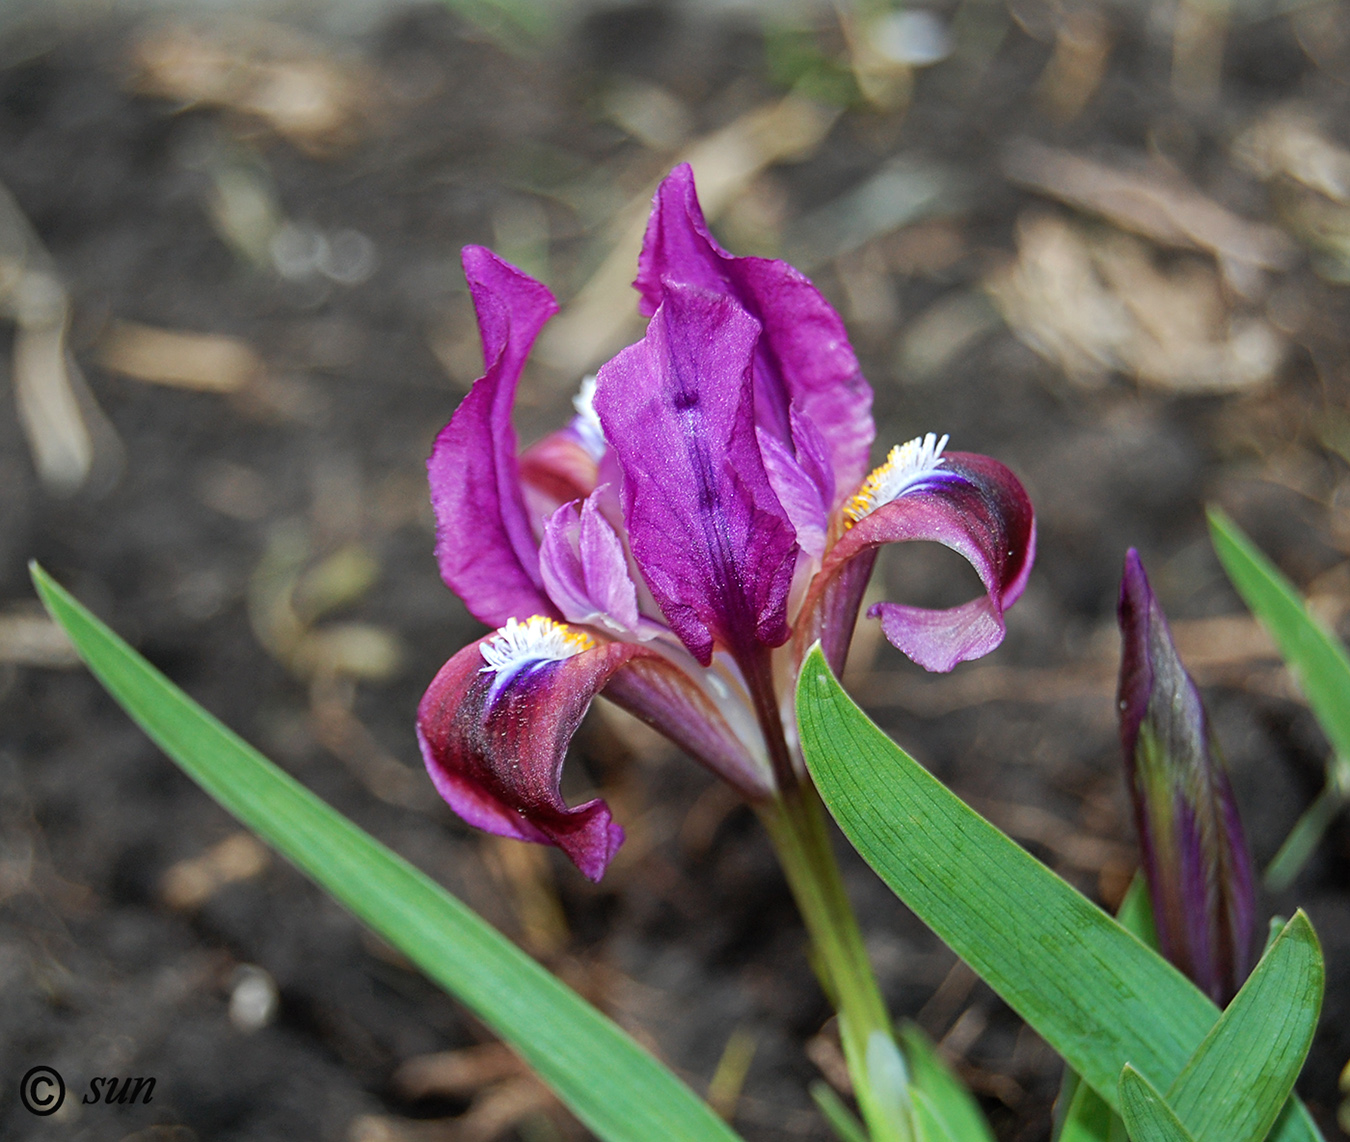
(1053, 299)
(1287, 141)
(455, 1073)
(261, 70)
(1157, 204)
(501, 1107)
(206, 362)
(1097, 304)
(73, 444)
(1075, 70)
(386, 1128)
(190, 883)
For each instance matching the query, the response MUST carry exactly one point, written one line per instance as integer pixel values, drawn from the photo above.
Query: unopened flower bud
(1195, 856)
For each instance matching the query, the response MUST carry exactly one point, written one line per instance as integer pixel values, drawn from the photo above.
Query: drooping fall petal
(494, 736)
(1195, 856)
(967, 502)
(714, 544)
(485, 545)
(495, 723)
(803, 361)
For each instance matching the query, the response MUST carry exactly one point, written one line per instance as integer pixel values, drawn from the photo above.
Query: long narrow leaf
(1317, 657)
(1239, 1078)
(929, 1125)
(1089, 1118)
(1147, 1115)
(1083, 1116)
(842, 1121)
(612, 1084)
(1094, 992)
(948, 1097)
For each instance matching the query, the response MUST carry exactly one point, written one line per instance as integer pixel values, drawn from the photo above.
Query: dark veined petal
(495, 723)
(1195, 857)
(485, 545)
(969, 503)
(713, 543)
(803, 362)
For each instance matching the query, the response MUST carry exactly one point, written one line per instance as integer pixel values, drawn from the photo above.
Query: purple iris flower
(1196, 861)
(704, 518)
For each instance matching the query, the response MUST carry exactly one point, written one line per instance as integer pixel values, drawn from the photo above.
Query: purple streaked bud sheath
(1195, 856)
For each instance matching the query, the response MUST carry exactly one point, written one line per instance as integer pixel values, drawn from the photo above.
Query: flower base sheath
(705, 516)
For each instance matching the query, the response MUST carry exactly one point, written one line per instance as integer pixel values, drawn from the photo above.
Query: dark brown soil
(693, 935)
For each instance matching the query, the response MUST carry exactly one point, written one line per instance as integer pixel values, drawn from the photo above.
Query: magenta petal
(494, 744)
(975, 506)
(798, 489)
(938, 640)
(659, 693)
(497, 758)
(484, 542)
(803, 363)
(1195, 856)
(713, 543)
(585, 569)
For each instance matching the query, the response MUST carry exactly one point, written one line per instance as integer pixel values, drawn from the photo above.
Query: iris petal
(972, 504)
(494, 737)
(803, 361)
(485, 545)
(585, 569)
(713, 543)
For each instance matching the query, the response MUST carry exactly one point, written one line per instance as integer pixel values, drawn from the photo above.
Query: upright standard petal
(495, 723)
(1195, 856)
(485, 545)
(967, 502)
(803, 362)
(714, 544)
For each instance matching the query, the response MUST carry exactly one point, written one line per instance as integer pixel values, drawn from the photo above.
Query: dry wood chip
(34, 640)
(1156, 203)
(206, 362)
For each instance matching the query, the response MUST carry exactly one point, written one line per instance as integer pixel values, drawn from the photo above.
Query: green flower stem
(796, 824)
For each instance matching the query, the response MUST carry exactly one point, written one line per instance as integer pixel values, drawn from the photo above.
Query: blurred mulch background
(1107, 243)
